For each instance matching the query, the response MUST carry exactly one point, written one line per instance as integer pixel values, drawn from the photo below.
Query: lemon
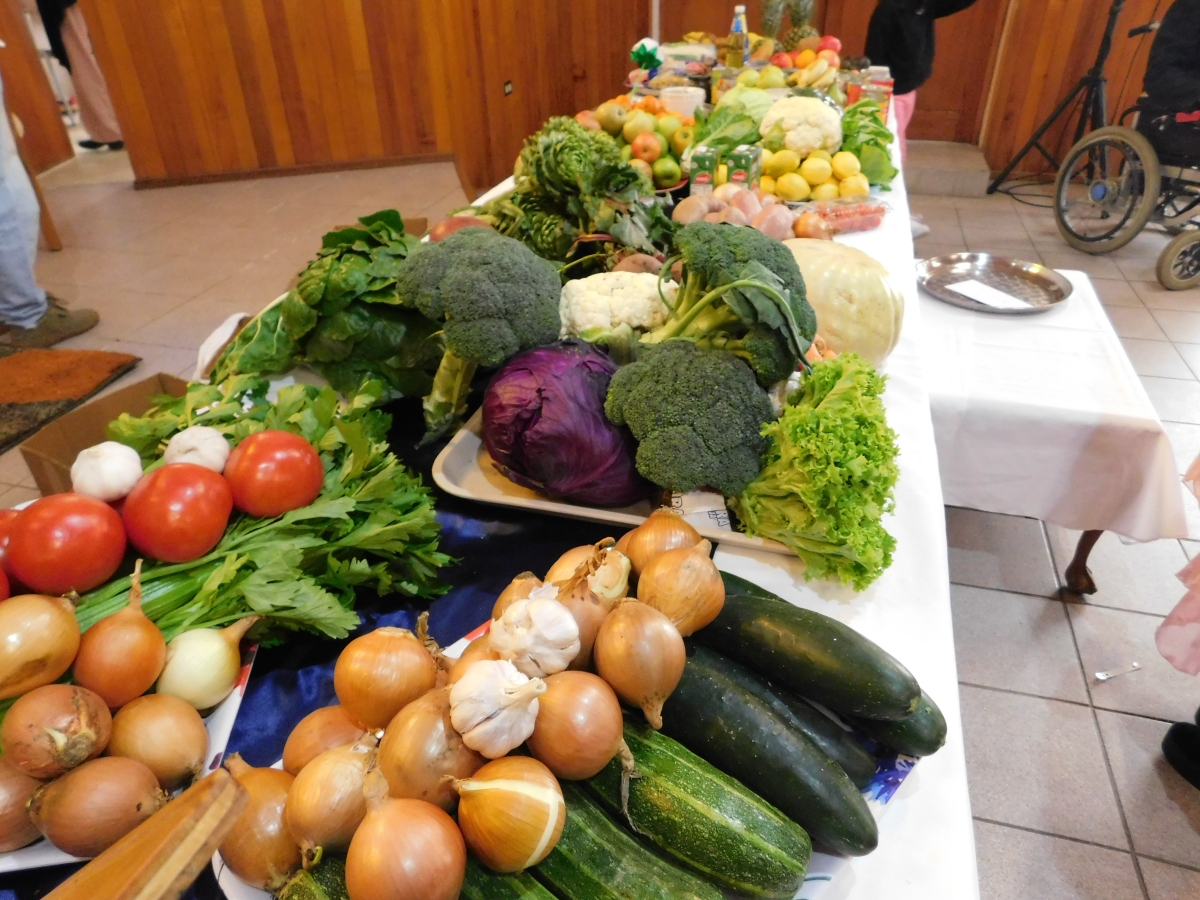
(815, 170)
(722, 174)
(820, 154)
(766, 184)
(826, 191)
(766, 157)
(792, 187)
(781, 163)
(854, 186)
(845, 164)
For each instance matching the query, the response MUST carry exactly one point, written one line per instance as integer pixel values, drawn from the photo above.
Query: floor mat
(37, 386)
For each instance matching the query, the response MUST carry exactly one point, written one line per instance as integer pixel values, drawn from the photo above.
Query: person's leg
(22, 302)
(24, 207)
(904, 105)
(95, 105)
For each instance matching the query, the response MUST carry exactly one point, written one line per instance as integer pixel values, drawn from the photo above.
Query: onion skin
(380, 673)
(664, 530)
(685, 586)
(420, 748)
(258, 848)
(325, 803)
(39, 637)
(518, 589)
(322, 729)
(565, 566)
(404, 850)
(579, 725)
(95, 805)
(163, 732)
(478, 649)
(55, 728)
(16, 828)
(588, 611)
(511, 827)
(641, 655)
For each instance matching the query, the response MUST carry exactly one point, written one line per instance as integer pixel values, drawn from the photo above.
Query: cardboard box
(50, 453)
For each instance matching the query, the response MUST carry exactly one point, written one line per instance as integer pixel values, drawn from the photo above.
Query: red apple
(781, 59)
(831, 57)
(642, 166)
(829, 42)
(647, 147)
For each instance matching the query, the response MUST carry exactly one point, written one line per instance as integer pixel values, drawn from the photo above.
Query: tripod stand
(1092, 85)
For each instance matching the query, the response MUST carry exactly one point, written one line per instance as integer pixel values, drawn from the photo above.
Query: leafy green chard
(865, 135)
(373, 524)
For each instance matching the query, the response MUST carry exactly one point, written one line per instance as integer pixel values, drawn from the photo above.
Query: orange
(622, 100)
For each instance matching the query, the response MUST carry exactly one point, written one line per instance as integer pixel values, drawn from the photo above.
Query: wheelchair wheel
(1106, 190)
(1179, 264)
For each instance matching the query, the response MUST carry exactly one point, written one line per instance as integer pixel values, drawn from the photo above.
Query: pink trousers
(904, 105)
(95, 106)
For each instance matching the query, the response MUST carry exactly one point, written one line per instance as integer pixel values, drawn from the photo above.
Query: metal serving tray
(1035, 286)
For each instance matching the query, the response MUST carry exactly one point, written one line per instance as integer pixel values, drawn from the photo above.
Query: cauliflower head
(811, 124)
(611, 299)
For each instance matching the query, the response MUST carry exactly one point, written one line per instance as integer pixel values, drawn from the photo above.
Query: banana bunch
(819, 74)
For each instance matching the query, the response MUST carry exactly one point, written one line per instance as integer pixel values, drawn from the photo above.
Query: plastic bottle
(735, 50)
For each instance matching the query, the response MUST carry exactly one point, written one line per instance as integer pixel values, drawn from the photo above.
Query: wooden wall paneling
(28, 95)
(252, 80)
(678, 17)
(233, 107)
(602, 34)
(847, 20)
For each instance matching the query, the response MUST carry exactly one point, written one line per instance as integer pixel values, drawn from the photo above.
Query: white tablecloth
(1044, 416)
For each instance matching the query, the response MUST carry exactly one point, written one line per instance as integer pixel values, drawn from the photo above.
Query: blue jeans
(22, 302)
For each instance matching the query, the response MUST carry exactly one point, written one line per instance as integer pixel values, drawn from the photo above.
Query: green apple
(681, 140)
(668, 125)
(626, 152)
(749, 78)
(640, 122)
(611, 117)
(771, 77)
(666, 172)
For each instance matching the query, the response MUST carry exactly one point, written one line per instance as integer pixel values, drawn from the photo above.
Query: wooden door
(28, 95)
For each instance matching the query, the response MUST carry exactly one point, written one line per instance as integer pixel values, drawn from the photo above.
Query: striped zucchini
(481, 884)
(597, 859)
(705, 819)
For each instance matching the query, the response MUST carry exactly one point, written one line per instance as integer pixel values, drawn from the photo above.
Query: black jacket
(900, 36)
(1173, 72)
(53, 12)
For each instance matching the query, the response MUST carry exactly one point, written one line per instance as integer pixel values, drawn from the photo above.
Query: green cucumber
(597, 859)
(705, 819)
(810, 655)
(921, 734)
(481, 884)
(725, 724)
(837, 743)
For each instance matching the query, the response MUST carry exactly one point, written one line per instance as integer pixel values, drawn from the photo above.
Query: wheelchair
(1119, 179)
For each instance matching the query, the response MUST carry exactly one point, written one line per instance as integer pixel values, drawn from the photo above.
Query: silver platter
(1032, 283)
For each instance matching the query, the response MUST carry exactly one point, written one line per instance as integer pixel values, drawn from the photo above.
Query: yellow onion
(511, 813)
(564, 567)
(93, 806)
(203, 665)
(121, 656)
(326, 803)
(664, 530)
(39, 637)
(322, 729)
(685, 586)
(16, 828)
(640, 653)
(587, 610)
(518, 589)
(480, 648)
(258, 847)
(420, 748)
(579, 726)
(380, 673)
(54, 728)
(163, 732)
(404, 850)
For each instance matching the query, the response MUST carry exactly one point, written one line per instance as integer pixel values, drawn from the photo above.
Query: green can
(703, 171)
(745, 165)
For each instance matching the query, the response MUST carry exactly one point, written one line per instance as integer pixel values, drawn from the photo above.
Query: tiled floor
(1071, 796)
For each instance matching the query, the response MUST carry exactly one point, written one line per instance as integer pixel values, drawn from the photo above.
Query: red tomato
(6, 520)
(829, 42)
(65, 542)
(272, 472)
(178, 513)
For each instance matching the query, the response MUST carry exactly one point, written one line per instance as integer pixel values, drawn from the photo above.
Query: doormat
(38, 386)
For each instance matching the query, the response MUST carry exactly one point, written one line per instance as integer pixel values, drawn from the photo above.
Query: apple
(668, 125)
(666, 172)
(831, 57)
(626, 152)
(829, 42)
(588, 119)
(638, 122)
(642, 166)
(681, 140)
(611, 117)
(781, 59)
(647, 146)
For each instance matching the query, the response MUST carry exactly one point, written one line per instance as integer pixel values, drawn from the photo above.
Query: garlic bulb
(538, 634)
(610, 581)
(200, 446)
(494, 706)
(107, 471)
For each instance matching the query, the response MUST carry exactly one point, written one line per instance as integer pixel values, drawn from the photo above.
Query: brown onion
(39, 637)
(420, 748)
(16, 828)
(120, 657)
(478, 649)
(54, 728)
(641, 656)
(518, 589)
(579, 726)
(511, 813)
(165, 733)
(380, 673)
(564, 567)
(325, 803)
(406, 849)
(587, 610)
(664, 530)
(685, 586)
(258, 848)
(95, 805)
(322, 729)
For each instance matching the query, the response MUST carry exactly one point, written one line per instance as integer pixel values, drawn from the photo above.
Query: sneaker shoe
(89, 144)
(57, 325)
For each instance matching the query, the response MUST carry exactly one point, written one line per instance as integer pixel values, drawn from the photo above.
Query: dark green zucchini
(324, 881)
(921, 734)
(597, 859)
(481, 884)
(809, 654)
(725, 724)
(705, 819)
(838, 744)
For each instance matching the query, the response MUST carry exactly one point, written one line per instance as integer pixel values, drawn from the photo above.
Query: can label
(704, 165)
(745, 165)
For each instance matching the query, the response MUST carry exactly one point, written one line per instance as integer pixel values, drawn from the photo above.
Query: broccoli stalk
(446, 402)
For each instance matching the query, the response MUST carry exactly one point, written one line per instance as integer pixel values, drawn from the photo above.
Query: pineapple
(791, 39)
(799, 11)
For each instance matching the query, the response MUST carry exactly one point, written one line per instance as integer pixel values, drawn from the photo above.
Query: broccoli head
(697, 415)
(494, 298)
(742, 292)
